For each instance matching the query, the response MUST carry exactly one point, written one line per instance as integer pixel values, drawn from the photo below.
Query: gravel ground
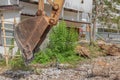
(102, 68)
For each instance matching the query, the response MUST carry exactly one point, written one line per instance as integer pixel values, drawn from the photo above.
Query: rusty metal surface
(29, 34)
(56, 10)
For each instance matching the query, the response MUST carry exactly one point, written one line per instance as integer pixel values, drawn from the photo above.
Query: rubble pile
(101, 68)
(82, 51)
(112, 50)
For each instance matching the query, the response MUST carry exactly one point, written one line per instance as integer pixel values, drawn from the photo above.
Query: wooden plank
(7, 36)
(7, 29)
(4, 42)
(9, 22)
(9, 45)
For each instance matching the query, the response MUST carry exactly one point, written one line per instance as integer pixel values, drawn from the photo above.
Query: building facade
(74, 12)
(9, 12)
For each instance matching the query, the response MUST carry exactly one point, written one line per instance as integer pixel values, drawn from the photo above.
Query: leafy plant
(2, 62)
(12, 43)
(11, 47)
(43, 57)
(17, 63)
(61, 46)
(63, 39)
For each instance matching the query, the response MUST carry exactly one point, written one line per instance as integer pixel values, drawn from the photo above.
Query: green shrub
(63, 39)
(61, 46)
(12, 43)
(2, 63)
(43, 57)
(17, 63)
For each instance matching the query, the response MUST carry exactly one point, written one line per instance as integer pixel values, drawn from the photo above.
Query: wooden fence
(4, 36)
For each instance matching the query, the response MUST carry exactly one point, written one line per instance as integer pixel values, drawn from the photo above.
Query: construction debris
(82, 51)
(112, 50)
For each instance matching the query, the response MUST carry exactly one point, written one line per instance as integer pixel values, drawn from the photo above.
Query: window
(8, 33)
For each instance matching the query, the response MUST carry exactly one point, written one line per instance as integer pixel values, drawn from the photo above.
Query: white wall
(4, 2)
(9, 2)
(14, 2)
(32, 8)
(10, 15)
(28, 8)
(77, 5)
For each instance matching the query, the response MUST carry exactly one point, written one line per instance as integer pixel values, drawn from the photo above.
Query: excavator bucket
(30, 33)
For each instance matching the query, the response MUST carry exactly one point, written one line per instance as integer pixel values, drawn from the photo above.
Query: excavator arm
(30, 33)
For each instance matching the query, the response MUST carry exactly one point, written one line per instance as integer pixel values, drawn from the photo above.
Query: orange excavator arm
(30, 33)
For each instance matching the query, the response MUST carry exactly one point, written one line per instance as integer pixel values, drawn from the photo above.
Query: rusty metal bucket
(29, 34)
